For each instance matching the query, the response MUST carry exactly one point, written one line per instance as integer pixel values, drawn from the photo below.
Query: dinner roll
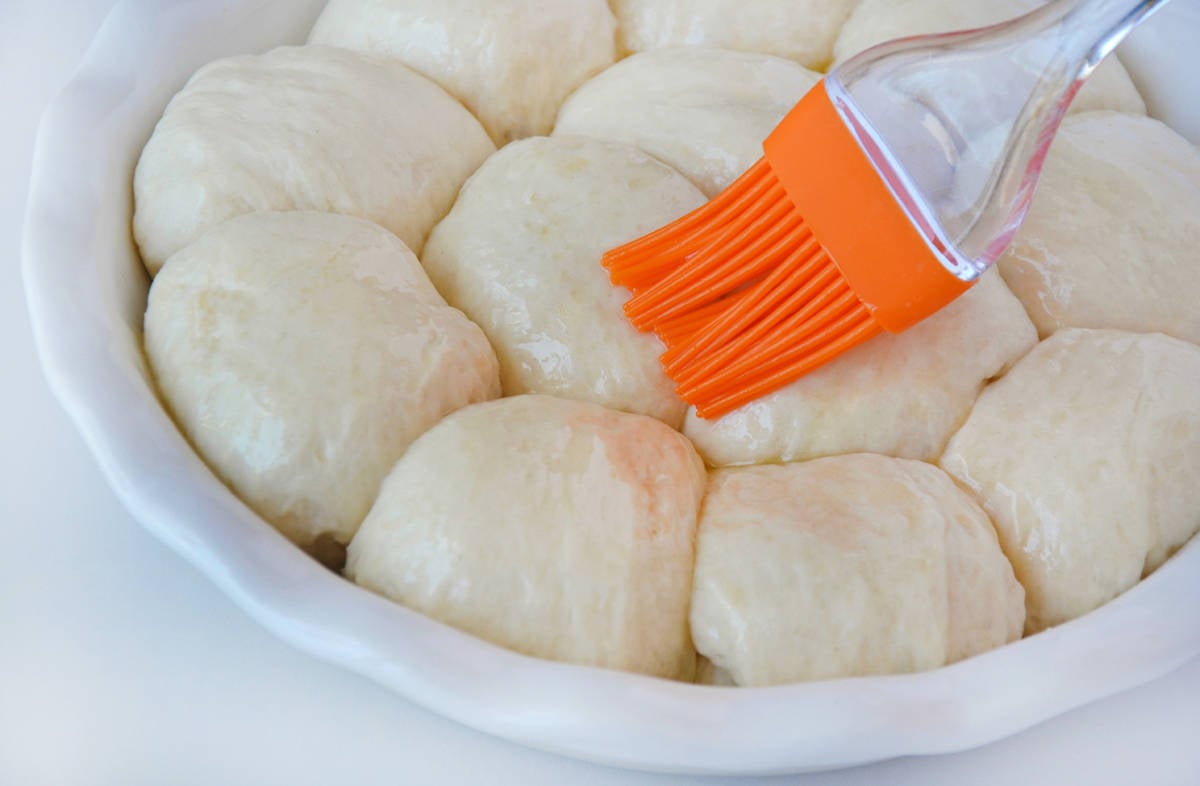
(901, 395)
(801, 30)
(1112, 239)
(1087, 456)
(556, 528)
(846, 566)
(303, 128)
(876, 21)
(301, 353)
(520, 254)
(511, 63)
(704, 111)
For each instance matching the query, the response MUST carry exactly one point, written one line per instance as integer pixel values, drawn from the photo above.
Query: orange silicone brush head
(804, 257)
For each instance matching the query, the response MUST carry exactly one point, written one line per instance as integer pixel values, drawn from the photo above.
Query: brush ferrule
(832, 183)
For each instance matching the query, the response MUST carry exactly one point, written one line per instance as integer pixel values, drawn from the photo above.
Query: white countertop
(120, 664)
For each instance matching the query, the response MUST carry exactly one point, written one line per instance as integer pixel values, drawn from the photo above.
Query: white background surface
(119, 664)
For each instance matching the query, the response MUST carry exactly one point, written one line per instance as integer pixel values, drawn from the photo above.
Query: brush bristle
(742, 294)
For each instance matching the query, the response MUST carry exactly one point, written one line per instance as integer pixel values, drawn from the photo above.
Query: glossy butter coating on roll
(704, 111)
(1087, 456)
(846, 566)
(1112, 239)
(520, 254)
(801, 30)
(511, 63)
(301, 353)
(303, 128)
(901, 395)
(556, 528)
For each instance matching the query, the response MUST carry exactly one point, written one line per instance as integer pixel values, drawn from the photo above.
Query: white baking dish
(86, 290)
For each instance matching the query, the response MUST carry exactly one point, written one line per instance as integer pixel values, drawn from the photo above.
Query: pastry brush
(883, 195)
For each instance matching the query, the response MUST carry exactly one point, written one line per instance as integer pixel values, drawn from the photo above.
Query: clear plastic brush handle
(959, 124)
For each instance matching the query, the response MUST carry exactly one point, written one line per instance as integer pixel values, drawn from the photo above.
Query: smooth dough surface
(520, 254)
(703, 111)
(846, 566)
(800, 30)
(303, 128)
(1087, 456)
(556, 528)
(511, 63)
(301, 353)
(876, 21)
(1112, 239)
(900, 395)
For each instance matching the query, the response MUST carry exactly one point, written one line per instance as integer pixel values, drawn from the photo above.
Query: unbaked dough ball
(511, 63)
(303, 128)
(900, 395)
(520, 254)
(1087, 456)
(301, 353)
(876, 21)
(846, 566)
(802, 30)
(1112, 239)
(704, 111)
(556, 528)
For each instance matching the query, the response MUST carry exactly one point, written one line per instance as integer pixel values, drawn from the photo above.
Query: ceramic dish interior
(87, 290)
